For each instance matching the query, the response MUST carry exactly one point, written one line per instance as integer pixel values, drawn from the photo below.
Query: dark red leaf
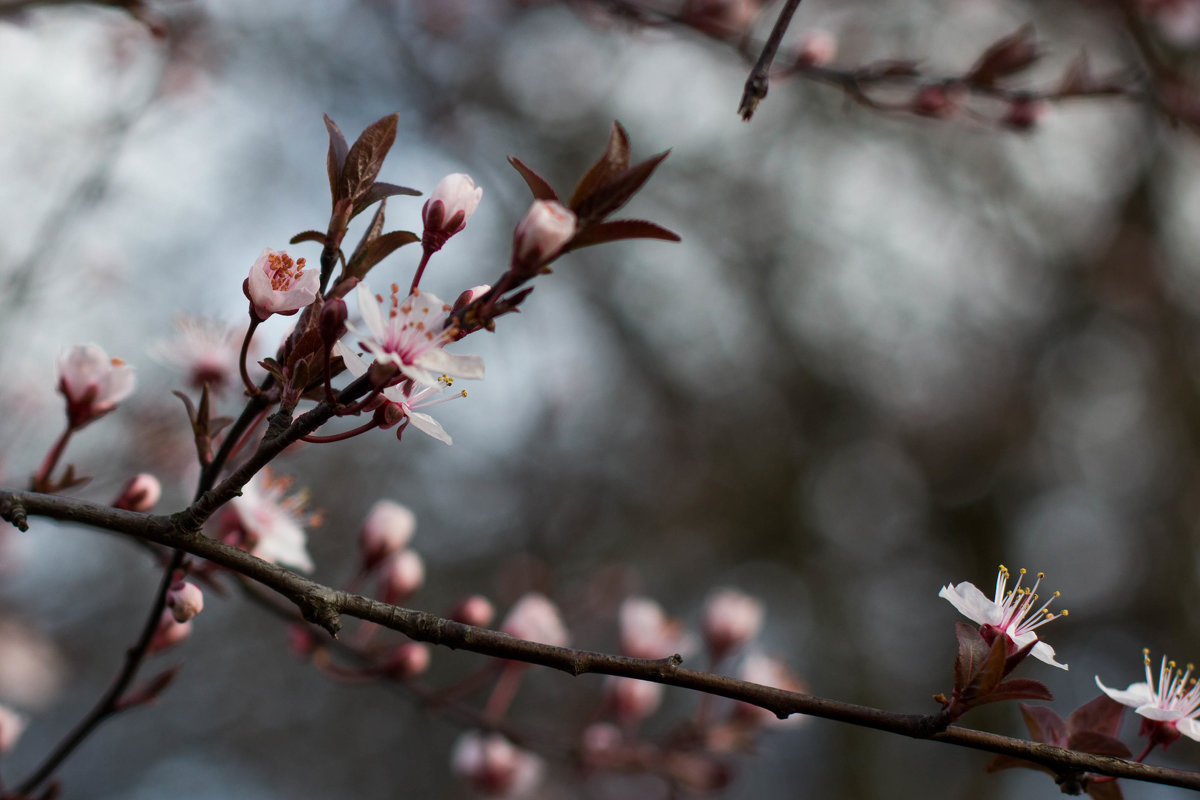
(308, 236)
(614, 161)
(1012, 762)
(379, 249)
(378, 191)
(1098, 744)
(1102, 714)
(365, 158)
(537, 184)
(337, 155)
(1008, 56)
(1044, 724)
(617, 192)
(890, 69)
(619, 229)
(1020, 689)
(972, 651)
(372, 232)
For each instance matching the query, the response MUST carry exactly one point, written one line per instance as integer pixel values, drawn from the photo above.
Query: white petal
(371, 312)
(1045, 653)
(428, 425)
(354, 364)
(1138, 694)
(438, 360)
(421, 376)
(1189, 728)
(1159, 714)
(972, 603)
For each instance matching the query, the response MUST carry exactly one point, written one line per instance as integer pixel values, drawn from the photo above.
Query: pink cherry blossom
(541, 235)
(12, 725)
(278, 285)
(448, 208)
(647, 632)
(1011, 612)
(411, 334)
(93, 383)
(185, 600)
(205, 351)
(169, 633)
(387, 529)
(474, 610)
(269, 523)
(402, 574)
(1169, 710)
(535, 619)
(140, 494)
(633, 700)
(731, 618)
(494, 766)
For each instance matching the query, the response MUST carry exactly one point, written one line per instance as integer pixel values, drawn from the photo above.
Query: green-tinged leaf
(617, 192)
(373, 231)
(337, 155)
(1020, 689)
(1098, 744)
(972, 651)
(377, 250)
(1108, 790)
(308, 236)
(1012, 762)
(1101, 714)
(536, 183)
(365, 158)
(1044, 724)
(614, 161)
(619, 229)
(378, 191)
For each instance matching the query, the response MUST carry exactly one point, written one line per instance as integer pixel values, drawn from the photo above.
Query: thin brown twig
(757, 83)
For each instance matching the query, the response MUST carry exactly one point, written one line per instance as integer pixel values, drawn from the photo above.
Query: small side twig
(757, 83)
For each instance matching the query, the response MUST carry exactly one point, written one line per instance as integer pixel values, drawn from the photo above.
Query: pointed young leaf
(1044, 724)
(614, 161)
(536, 183)
(187, 404)
(366, 155)
(1008, 56)
(308, 236)
(377, 250)
(1020, 689)
(1011, 662)
(337, 155)
(378, 191)
(617, 192)
(972, 651)
(1102, 714)
(1098, 744)
(619, 229)
(373, 231)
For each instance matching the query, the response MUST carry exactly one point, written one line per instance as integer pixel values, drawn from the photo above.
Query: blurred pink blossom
(495, 767)
(541, 235)
(633, 700)
(401, 575)
(185, 600)
(169, 633)
(535, 619)
(387, 529)
(92, 383)
(731, 618)
(647, 632)
(12, 725)
(762, 669)
(142, 493)
(474, 610)
(205, 351)
(269, 523)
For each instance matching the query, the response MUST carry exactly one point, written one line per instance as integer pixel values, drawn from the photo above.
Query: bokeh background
(890, 353)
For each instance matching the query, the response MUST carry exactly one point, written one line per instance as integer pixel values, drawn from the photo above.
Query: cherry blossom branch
(757, 84)
(325, 605)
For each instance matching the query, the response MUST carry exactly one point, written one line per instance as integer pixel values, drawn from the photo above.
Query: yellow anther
(1041, 575)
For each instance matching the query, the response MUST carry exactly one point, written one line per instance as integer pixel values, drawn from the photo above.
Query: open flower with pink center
(93, 383)
(268, 522)
(1013, 613)
(204, 350)
(1169, 710)
(279, 285)
(408, 396)
(410, 333)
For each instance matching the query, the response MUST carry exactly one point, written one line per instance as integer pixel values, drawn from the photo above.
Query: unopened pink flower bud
(448, 208)
(140, 494)
(12, 725)
(731, 618)
(474, 610)
(758, 668)
(541, 235)
(494, 766)
(169, 633)
(647, 632)
(938, 101)
(816, 49)
(600, 739)
(535, 619)
(470, 296)
(1023, 114)
(388, 529)
(185, 600)
(92, 383)
(278, 285)
(721, 18)
(402, 574)
(407, 661)
(333, 320)
(633, 700)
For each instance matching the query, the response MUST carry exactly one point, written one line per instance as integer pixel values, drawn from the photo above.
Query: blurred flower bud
(387, 529)
(140, 494)
(495, 767)
(940, 101)
(448, 208)
(731, 618)
(333, 320)
(205, 351)
(407, 661)
(759, 668)
(301, 640)
(1023, 114)
(185, 600)
(601, 738)
(541, 235)
(474, 610)
(721, 18)
(92, 382)
(12, 725)
(536, 619)
(403, 573)
(278, 285)
(169, 633)
(633, 700)
(646, 632)
(816, 49)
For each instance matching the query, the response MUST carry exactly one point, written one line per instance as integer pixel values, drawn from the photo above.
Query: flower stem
(41, 481)
(340, 437)
(251, 389)
(425, 256)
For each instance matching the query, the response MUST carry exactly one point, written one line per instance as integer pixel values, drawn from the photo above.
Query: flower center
(1017, 605)
(283, 271)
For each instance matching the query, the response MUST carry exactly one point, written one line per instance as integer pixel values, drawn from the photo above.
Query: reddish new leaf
(619, 229)
(1007, 56)
(972, 651)
(1044, 724)
(890, 69)
(365, 158)
(373, 231)
(1102, 714)
(377, 250)
(614, 161)
(536, 183)
(378, 191)
(337, 155)
(617, 192)
(308, 236)
(1098, 744)
(1020, 689)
